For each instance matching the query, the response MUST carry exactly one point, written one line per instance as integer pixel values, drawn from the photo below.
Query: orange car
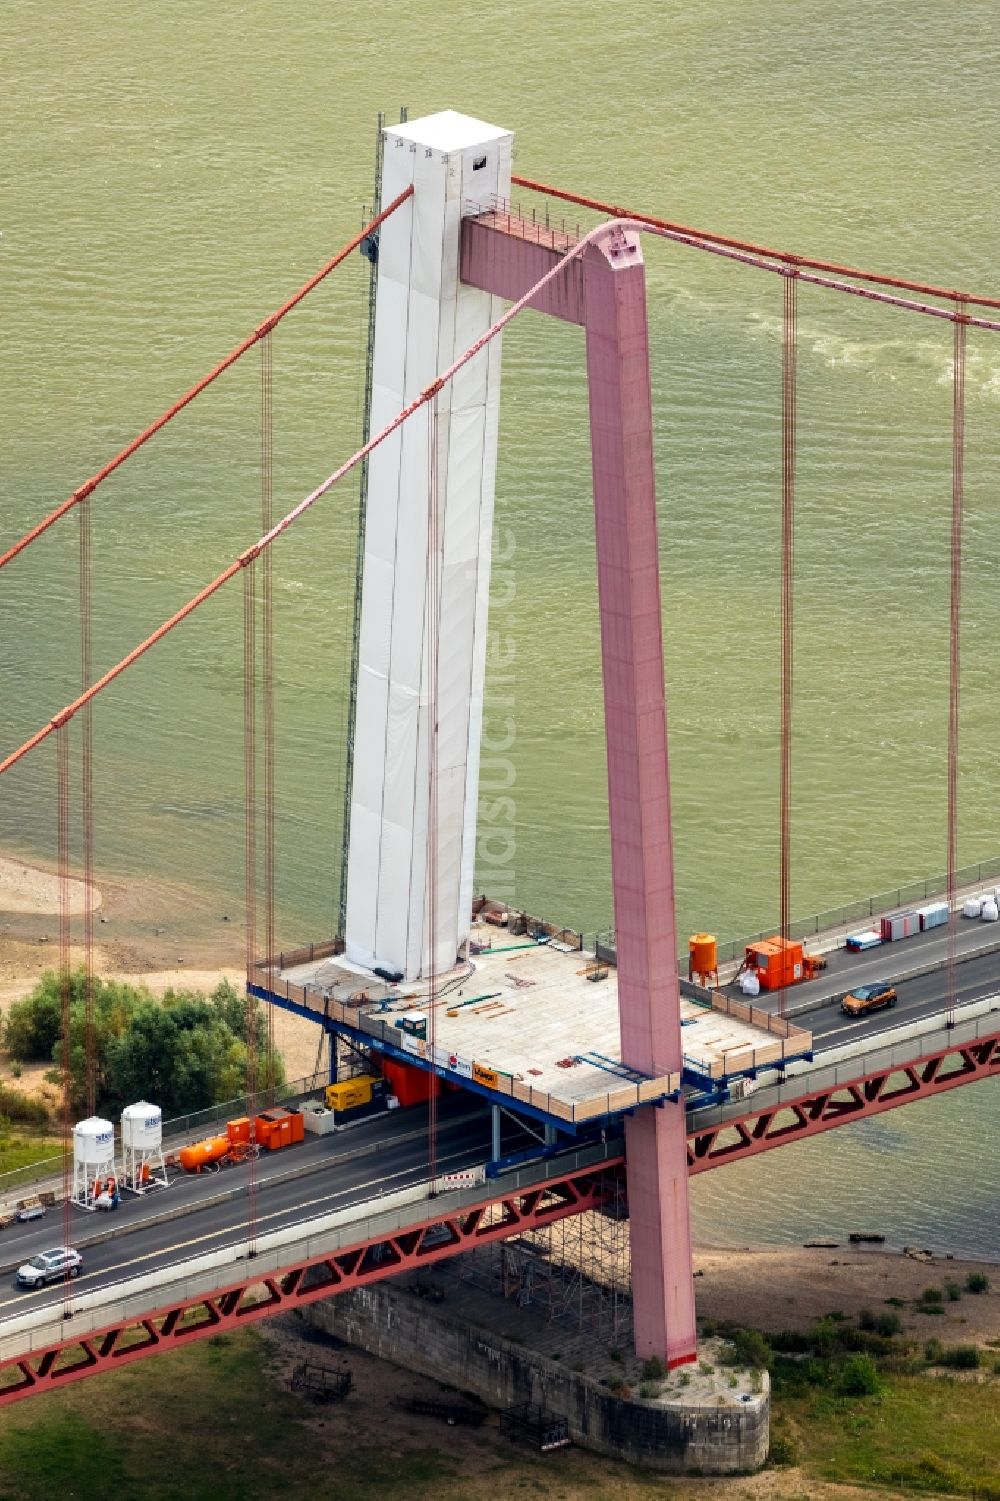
(864, 998)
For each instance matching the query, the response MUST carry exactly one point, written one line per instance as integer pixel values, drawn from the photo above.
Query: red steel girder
(794, 1120)
(445, 1235)
(431, 1240)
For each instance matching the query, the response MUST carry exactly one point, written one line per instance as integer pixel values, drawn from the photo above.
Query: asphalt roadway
(887, 962)
(285, 1195)
(918, 997)
(389, 1152)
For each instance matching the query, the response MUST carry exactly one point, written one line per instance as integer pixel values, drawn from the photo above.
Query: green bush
(652, 1369)
(933, 1351)
(791, 1342)
(749, 1348)
(648, 1390)
(782, 1450)
(961, 1358)
(23, 1108)
(885, 1324)
(932, 1295)
(977, 1282)
(859, 1377)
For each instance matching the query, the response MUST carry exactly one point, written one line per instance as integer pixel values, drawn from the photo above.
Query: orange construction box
(238, 1131)
(279, 1128)
(778, 962)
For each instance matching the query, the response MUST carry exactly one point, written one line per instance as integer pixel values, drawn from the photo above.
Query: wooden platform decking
(531, 1022)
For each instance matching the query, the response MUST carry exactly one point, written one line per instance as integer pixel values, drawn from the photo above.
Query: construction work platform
(529, 1019)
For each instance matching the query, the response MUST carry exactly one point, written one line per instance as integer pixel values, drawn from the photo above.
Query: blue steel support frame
(399, 1055)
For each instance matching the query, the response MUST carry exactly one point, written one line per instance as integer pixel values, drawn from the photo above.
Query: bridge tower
(445, 262)
(425, 317)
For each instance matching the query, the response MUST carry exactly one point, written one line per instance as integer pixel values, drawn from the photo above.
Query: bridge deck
(537, 1022)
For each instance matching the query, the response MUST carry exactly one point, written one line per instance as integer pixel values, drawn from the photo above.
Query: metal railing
(177, 1127)
(835, 917)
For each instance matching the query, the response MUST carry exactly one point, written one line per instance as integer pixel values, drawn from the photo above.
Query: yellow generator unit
(350, 1094)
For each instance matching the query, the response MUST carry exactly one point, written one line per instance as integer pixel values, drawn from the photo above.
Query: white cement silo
(142, 1147)
(93, 1159)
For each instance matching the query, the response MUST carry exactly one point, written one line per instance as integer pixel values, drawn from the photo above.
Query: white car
(50, 1266)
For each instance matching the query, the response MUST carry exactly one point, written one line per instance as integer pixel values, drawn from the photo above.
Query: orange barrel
(203, 1153)
(703, 953)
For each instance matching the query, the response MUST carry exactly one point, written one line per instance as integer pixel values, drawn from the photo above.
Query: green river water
(169, 173)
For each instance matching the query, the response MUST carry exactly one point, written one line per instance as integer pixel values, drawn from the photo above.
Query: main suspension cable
(428, 393)
(260, 332)
(786, 257)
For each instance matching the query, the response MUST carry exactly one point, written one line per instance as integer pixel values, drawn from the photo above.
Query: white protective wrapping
(425, 318)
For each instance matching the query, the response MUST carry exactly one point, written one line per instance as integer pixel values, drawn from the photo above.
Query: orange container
(279, 1128)
(203, 1153)
(778, 962)
(703, 954)
(411, 1086)
(238, 1131)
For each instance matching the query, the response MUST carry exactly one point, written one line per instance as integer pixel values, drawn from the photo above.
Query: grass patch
(204, 1424)
(17, 1150)
(919, 1435)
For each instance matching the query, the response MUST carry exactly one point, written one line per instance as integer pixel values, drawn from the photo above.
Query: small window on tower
(478, 163)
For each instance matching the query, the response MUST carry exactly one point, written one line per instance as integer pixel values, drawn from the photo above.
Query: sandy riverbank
(150, 932)
(791, 1287)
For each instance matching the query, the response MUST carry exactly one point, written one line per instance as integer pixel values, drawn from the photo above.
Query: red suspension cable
(267, 672)
(87, 797)
(250, 877)
(429, 392)
(65, 982)
(432, 616)
(955, 638)
(788, 430)
(875, 278)
(178, 406)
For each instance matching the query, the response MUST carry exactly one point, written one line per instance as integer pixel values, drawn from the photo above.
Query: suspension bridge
(566, 1084)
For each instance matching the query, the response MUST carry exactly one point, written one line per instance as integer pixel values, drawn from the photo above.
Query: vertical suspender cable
(87, 769)
(788, 382)
(955, 631)
(65, 991)
(266, 516)
(250, 876)
(433, 637)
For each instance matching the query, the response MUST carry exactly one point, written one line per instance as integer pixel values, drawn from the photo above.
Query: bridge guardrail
(370, 1220)
(906, 895)
(892, 1056)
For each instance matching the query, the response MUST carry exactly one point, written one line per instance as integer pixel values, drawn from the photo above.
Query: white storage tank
(94, 1142)
(973, 907)
(990, 912)
(142, 1127)
(93, 1161)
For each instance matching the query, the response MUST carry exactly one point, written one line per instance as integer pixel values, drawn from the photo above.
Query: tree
(184, 1054)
